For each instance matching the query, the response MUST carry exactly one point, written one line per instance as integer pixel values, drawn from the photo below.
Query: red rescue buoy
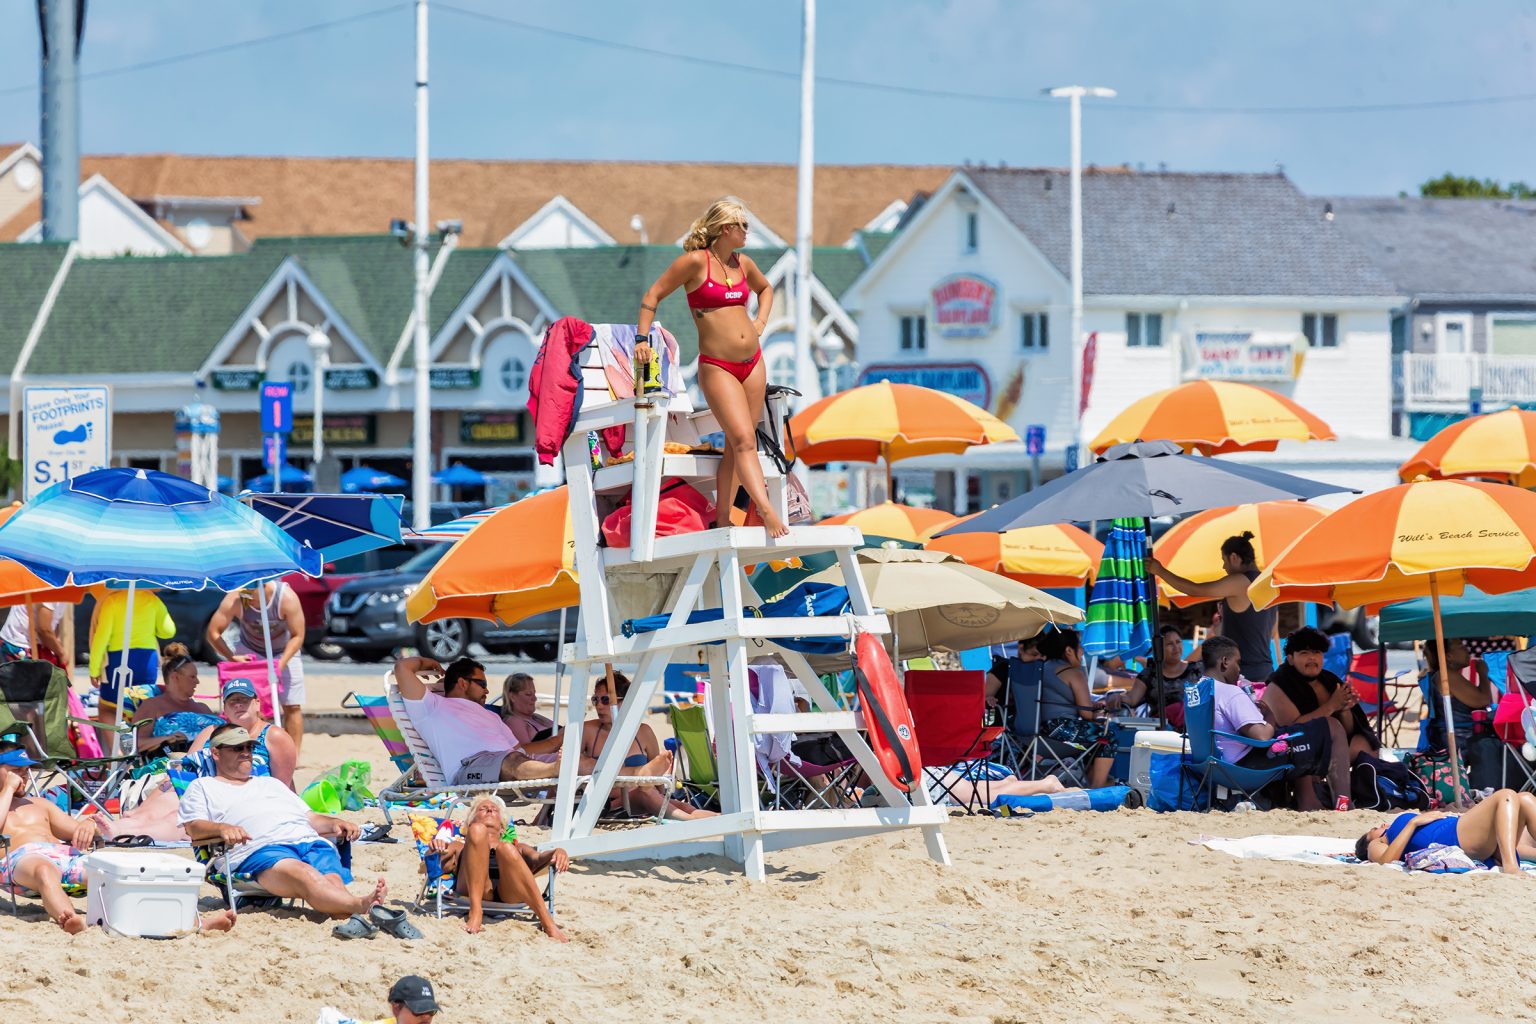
(892, 736)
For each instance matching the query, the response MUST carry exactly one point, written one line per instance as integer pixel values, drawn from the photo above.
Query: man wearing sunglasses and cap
(273, 835)
(48, 847)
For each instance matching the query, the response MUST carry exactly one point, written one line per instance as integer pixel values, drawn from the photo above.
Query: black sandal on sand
(373, 832)
(393, 922)
(356, 927)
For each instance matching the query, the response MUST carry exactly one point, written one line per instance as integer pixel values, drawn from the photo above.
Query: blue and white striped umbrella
(454, 529)
(150, 528)
(1120, 604)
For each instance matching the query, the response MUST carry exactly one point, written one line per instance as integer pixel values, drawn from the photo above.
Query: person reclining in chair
(486, 832)
(274, 837)
(470, 741)
(1236, 712)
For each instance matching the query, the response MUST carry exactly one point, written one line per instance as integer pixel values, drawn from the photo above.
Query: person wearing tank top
(279, 606)
(1250, 628)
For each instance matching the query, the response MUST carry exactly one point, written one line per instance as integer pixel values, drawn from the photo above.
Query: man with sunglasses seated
(273, 836)
(470, 741)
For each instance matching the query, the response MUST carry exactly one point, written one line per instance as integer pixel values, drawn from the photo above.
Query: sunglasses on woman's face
(603, 699)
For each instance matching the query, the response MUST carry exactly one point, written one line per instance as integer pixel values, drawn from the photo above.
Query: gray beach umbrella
(1144, 479)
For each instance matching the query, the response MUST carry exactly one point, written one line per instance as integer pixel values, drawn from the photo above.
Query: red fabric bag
(682, 509)
(1506, 719)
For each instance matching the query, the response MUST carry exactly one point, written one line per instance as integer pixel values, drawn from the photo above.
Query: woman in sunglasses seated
(645, 756)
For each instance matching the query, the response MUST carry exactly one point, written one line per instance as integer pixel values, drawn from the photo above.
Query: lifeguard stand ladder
(698, 571)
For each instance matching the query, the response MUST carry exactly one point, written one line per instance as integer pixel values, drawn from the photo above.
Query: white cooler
(1149, 742)
(144, 893)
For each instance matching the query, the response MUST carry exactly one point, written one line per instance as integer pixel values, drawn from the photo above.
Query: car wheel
(323, 651)
(368, 656)
(545, 650)
(444, 641)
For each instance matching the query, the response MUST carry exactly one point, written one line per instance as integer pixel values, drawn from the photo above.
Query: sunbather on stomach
(1498, 832)
(645, 756)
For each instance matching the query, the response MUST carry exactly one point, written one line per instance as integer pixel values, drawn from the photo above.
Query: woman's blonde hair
(489, 798)
(722, 213)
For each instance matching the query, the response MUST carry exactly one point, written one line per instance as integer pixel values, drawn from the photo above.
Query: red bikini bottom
(741, 371)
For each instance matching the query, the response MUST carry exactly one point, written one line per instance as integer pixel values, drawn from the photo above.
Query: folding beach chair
(697, 774)
(948, 708)
(789, 782)
(438, 884)
(1203, 765)
(1040, 753)
(408, 787)
(1365, 676)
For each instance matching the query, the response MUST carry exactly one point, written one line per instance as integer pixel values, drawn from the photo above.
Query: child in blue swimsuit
(1498, 832)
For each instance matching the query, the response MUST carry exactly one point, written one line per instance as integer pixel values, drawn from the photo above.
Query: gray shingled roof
(1466, 248)
(1186, 234)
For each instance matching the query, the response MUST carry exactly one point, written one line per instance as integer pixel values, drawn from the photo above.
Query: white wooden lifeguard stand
(697, 571)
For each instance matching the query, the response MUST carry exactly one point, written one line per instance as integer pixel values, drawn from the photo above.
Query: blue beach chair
(1204, 766)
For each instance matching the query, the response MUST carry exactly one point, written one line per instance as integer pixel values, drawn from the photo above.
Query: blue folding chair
(1032, 749)
(1204, 765)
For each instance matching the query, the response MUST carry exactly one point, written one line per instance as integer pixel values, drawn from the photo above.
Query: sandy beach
(1063, 916)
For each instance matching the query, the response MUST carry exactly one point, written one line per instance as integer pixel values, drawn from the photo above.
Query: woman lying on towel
(1497, 832)
(645, 756)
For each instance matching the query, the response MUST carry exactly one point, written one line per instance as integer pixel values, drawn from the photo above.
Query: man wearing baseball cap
(412, 1000)
(48, 847)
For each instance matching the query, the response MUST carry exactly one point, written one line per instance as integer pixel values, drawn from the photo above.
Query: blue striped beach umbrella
(147, 528)
(1120, 605)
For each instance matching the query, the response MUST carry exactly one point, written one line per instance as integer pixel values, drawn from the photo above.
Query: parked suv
(365, 617)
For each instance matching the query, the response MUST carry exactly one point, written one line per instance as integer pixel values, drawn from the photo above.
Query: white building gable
(559, 224)
(111, 224)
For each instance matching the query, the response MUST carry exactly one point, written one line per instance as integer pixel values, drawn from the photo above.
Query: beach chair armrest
(121, 730)
(1251, 742)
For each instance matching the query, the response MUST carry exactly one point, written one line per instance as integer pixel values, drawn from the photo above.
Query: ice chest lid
(1160, 740)
(146, 865)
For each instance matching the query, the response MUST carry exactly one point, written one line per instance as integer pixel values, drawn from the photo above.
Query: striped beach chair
(409, 787)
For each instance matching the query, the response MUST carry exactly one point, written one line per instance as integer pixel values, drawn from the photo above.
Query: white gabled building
(1186, 276)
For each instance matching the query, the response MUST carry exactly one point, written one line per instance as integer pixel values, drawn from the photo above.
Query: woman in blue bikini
(645, 755)
(1498, 832)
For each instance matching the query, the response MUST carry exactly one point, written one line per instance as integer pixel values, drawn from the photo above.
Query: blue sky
(504, 91)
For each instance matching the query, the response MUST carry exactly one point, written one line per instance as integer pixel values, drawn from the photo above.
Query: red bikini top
(712, 294)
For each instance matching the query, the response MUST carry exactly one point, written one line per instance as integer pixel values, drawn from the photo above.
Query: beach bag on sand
(1379, 785)
(341, 789)
(1173, 788)
(1435, 771)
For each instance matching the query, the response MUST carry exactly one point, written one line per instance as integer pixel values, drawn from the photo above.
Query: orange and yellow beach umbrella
(1497, 445)
(892, 422)
(1060, 555)
(1192, 548)
(890, 520)
(1214, 418)
(517, 563)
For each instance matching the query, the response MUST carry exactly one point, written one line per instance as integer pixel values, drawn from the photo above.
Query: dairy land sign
(964, 306)
(1238, 355)
(65, 432)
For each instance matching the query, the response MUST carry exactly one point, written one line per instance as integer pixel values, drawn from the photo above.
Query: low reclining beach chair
(438, 884)
(408, 788)
(1203, 768)
(697, 774)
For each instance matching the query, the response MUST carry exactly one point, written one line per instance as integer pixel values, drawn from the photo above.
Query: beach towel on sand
(1441, 860)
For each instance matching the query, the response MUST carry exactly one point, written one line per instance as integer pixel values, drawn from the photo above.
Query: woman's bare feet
(772, 523)
(473, 921)
(218, 921)
(374, 898)
(553, 931)
(71, 922)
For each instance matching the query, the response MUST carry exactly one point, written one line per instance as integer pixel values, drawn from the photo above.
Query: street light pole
(1074, 95)
(320, 346)
(805, 365)
(421, 480)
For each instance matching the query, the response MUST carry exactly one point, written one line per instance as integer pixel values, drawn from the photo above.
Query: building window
(972, 232)
(914, 334)
(513, 374)
(299, 375)
(1321, 329)
(1034, 331)
(1143, 330)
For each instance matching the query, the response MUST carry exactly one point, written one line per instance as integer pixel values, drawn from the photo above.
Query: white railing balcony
(1444, 382)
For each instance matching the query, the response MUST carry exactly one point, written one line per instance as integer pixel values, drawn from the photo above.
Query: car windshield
(424, 559)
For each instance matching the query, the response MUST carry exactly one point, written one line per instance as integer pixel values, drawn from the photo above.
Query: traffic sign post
(276, 424)
(1034, 447)
(65, 432)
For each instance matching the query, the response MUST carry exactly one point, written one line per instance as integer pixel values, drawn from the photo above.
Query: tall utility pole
(805, 365)
(1074, 95)
(62, 23)
(421, 478)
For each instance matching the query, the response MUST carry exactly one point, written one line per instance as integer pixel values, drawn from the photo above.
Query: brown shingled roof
(340, 196)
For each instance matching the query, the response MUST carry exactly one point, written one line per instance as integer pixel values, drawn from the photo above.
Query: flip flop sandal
(393, 922)
(373, 832)
(131, 842)
(356, 927)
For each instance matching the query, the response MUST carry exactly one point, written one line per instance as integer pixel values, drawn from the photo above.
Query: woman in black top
(1252, 629)
(1175, 672)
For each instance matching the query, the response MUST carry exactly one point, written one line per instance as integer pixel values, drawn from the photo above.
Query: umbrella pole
(1444, 679)
(123, 674)
(32, 630)
(1155, 657)
(266, 641)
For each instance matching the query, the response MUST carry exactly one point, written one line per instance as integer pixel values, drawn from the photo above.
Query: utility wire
(240, 44)
(950, 94)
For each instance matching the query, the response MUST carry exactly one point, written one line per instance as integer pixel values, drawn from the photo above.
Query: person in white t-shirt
(15, 638)
(274, 837)
(470, 741)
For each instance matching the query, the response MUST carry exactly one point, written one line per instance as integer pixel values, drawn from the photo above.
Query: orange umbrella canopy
(1499, 444)
(1042, 556)
(892, 422)
(894, 521)
(1214, 417)
(517, 563)
(1192, 548)
(19, 585)
(1407, 540)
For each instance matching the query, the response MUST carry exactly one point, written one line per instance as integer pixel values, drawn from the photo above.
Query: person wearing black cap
(412, 1000)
